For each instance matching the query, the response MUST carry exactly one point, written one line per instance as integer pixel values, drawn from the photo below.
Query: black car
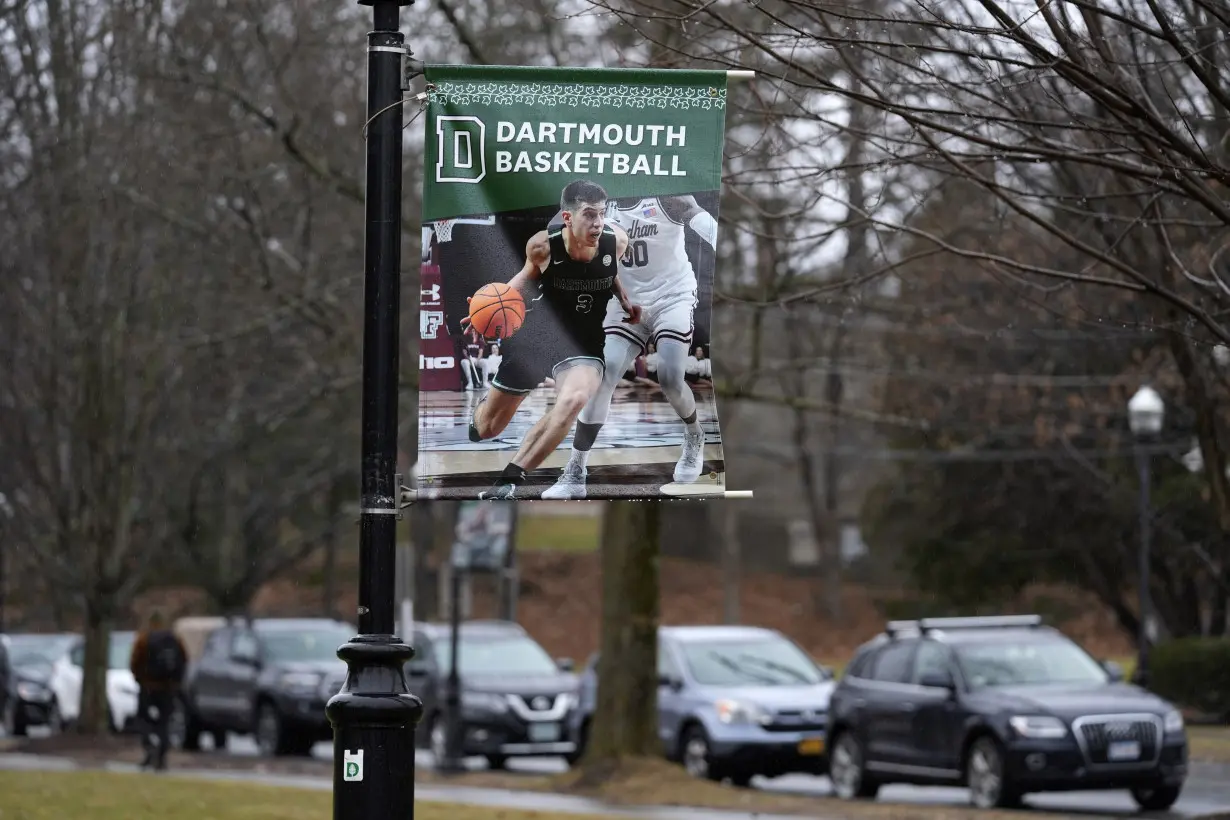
(1005, 706)
(515, 700)
(9, 699)
(28, 699)
(270, 678)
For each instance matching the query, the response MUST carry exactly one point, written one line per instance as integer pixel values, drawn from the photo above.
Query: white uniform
(656, 273)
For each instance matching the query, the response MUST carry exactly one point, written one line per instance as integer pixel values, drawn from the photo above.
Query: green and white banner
(570, 232)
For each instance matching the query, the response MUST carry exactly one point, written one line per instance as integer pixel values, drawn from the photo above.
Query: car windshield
(1027, 663)
(750, 662)
(28, 650)
(507, 655)
(119, 653)
(308, 645)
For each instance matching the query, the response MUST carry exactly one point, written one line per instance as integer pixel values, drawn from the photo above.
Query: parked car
(122, 691)
(1005, 706)
(32, 666)
(515, 699)
(734, 702)
(269, 678)
(10, 701)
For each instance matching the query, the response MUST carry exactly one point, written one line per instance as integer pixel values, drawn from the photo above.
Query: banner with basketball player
(570, 227)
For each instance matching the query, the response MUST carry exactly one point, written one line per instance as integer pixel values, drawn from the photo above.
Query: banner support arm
(740, 74)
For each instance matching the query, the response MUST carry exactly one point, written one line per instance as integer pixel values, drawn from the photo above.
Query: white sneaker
(570, 485)
(688, 468)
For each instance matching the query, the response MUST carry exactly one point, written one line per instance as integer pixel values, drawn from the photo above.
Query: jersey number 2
(585, 302)
(637, 254)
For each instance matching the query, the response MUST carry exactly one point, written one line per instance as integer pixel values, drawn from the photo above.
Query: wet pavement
(1207, 790)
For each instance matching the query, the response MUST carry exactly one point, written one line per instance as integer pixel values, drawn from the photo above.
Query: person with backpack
(158, 663)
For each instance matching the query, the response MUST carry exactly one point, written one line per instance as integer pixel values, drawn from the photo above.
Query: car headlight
(484, 702)
(735, 712)
(33, 692)
(301, 681)
(571, 701)
(1038, 727)
(1173, 721)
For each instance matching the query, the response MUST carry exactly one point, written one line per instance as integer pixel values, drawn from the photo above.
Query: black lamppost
(1146, 411)
(451, 762)
(374, 716)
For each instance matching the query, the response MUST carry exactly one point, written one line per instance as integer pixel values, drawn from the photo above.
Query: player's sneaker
(570, 484)
(500, 492)
(688, 468)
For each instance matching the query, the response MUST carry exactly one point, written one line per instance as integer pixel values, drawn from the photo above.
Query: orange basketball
(496, 311)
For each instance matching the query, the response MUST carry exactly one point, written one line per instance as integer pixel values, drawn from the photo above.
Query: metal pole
(510, 584)
(452, 762)
(1145, 605)
(374, 715)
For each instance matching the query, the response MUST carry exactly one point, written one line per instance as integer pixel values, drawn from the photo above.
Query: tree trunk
(626, 720)
(95, 713)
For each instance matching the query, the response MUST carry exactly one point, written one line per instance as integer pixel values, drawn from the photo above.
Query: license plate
(812, 746)
(544, 732)
(1123, 750)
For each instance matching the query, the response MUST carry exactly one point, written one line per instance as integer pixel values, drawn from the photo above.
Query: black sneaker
(500, 492)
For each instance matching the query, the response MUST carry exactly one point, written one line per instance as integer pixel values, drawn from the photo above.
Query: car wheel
(695, 754)
(269, 730)
(574, 757)
(219, 739)
(847, 769)
(985, 775)
(8, 721)
(1158, 799)
(496, 762)
(55, 720)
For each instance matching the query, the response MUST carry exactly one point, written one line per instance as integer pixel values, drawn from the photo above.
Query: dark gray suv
(270, 678)
(515, 700)
(1003, 705)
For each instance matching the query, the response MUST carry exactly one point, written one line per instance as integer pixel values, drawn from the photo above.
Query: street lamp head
(1146, 410)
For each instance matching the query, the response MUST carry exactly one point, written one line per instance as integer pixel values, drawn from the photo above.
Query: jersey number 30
(637, 254)
(585, 302)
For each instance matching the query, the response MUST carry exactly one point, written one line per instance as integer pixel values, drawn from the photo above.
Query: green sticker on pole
(352, 766)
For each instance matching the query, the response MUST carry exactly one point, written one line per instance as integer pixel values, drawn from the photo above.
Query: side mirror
(670, 682)
(1114, 670)
(565, 664)
(937, 680)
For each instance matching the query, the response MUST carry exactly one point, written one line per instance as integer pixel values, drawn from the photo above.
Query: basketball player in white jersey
(658, 276)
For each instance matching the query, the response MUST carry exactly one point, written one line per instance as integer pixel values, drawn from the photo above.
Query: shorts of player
(663, 319)
(528, 358)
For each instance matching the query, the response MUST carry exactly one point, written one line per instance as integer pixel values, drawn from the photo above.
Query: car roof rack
(925, 625)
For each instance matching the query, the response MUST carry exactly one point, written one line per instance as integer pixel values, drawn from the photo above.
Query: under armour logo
(430, 295)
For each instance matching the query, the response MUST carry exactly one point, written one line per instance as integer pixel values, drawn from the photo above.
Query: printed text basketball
(497, 311)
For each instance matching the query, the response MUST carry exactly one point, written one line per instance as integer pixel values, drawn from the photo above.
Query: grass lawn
(107, 796)
(558, 533)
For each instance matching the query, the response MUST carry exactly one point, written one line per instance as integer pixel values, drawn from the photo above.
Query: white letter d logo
(460, 149)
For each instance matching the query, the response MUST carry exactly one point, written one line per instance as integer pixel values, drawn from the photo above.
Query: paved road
(1207, 791)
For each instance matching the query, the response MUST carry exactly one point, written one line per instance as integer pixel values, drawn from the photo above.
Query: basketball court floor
(634, 456)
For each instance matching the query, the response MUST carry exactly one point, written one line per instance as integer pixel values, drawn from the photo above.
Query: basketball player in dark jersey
(569, 276)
